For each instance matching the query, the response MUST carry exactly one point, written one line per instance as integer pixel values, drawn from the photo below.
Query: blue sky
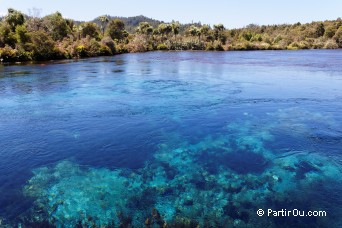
(231, 13)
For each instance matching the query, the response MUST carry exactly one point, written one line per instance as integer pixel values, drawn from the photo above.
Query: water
(178, 137)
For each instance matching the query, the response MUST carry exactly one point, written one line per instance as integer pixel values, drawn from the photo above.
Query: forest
(34, 38)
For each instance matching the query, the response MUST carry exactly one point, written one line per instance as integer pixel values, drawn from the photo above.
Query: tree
(43, 46)
(319, 31)
(14, 18)
(116, 29)
(57, 26)
(218, 32)
(104, 21)
(338, 37)
(175, 28)
(34, 24)
(330, 32)
(219, 27)
(204, 30)
(195, 31)
(7, 37)
(90, 29)
(22, 34)
(165, 29)
(145, 28)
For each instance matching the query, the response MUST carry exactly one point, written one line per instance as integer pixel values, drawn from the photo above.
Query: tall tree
(175, 28)
(165, 29)
(145, 28)
(57, 26)
(104, 21)
(116, 29)
(90, 29)
(14, 18)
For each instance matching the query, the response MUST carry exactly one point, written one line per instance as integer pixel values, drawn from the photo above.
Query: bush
(138, 44)
(93, 48)
(162, 47)
(329, 32)
(214, 46)
(330, 44)
(81, 51)
(121, 48)
(338, 37)
(43, 47)
(9, 54)
(108, 41)
(105, 50)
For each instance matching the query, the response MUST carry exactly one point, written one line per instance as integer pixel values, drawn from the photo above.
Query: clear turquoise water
(204, 138)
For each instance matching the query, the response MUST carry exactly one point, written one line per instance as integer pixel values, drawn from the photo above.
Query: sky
(233, 14)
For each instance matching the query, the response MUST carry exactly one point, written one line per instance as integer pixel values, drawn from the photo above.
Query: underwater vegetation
(218, 181)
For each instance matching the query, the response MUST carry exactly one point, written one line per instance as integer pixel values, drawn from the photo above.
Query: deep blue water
(205, 138)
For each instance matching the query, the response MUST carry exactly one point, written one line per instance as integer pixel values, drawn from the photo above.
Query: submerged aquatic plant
(71, 195)
(217, 181)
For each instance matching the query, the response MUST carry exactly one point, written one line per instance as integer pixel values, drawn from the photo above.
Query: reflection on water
(172, 140)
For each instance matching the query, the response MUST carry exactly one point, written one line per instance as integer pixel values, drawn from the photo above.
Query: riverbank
(25, 38)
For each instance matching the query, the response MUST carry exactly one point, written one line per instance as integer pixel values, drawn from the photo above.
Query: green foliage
(219, 33)
(104, 21)
(90, 29)
(165, 29)
(7, 37)
(57, 26)
(215, 46)
(53, 37)
(9, 54)
(162, 47)
(204, 30)
(116, 30)
(22, 35)
(194, 31)
(81, 51)
(145, 28)
(14, 18)
(338, 37)
(319, 30)
(175, 28)
(247, 36)
(43, 47)
(330, 32)
(105, 50)
(107, 41)
(257, 38)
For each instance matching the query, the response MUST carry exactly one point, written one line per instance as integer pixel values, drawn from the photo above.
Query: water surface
(203, 137)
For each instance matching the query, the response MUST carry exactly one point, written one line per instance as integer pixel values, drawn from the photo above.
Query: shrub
(9, 54)
(257, 37)
(108, 41)
(138, 44)
(338, 37)
(162, 47)
(329, 32)
(81, 51)
(330, 44)
(93, 48)
(43, 47)
(121, 48)
(105, 50)
(91, 29)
